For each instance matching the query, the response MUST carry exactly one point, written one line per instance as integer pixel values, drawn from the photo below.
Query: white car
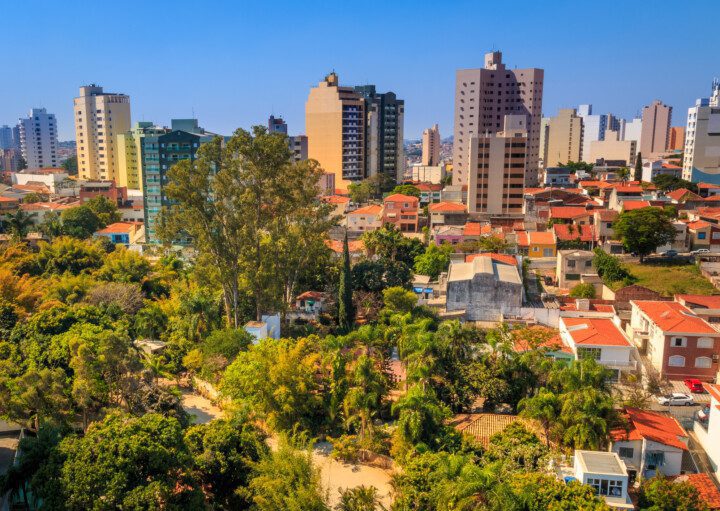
(700, 251)
(676, 399)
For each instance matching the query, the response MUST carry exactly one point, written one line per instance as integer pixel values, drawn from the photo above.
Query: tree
(71, 165)
(583, 290)
(399, 299)
(543, 407)
(80, 222)
(493, 244)
(624, 173)
(346, 309)
(389, 243)
(638, 167)
(663, 494)
(18, 223)
(106, 210)
(668, 183)
(610, 268)
(360, 192)
(408, 189)
(125, 266)
(643, 230)
(360, 498)
(364, 396)
(36, 396)
(434, 261)
(66, 255)
(32, 198)
(420, 418)
(378, 274)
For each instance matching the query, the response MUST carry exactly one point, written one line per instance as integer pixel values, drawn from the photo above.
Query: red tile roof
(713, 389)
(447, 207)
(708, 302)
(683, 193)
(594, 184)
(630, 205)
(629, 189)
(8, 199)
(399, 197)
(708, 186)
(428, 187)
(119, 228)
(335, 199)
(653, 426)
(554, 343)
(568, 212)
(372, 209)
(565, 232)
(674, 317)
(670, 166)
(594, 332)
(541, 238)
(698, 224)
(354, 246)
(607, 215)
(473, 229)
(705, 486)
(596, 307)
(501, 258)
(311, 295)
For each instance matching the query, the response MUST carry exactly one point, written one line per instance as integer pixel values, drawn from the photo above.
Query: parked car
(676, 399)
(694, 385)
(669, 253)
(700, 251)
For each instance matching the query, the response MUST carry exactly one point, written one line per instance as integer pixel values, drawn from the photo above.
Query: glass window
(676, 361)
(626, 452)
(703, 362)
(705, 342)
(678, 342)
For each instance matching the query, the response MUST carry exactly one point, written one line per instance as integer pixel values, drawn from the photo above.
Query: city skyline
(208, 73)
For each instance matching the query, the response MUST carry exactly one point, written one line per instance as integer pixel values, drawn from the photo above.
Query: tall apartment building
(677, 138)
(335, 127)
(384, 124)
(655, 135)
(594, 127)
(612, 150)
(431, 146)
(564, 138)
(299, 147)
(158, 153)
(129, 147)
(38, 139)
(483, 97)
(632, 130)
(6, 138)
(497, 163)
(99, 118)
(277, 125)
(702, 140)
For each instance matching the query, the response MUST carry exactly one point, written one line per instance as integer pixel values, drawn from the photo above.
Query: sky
(233, 63)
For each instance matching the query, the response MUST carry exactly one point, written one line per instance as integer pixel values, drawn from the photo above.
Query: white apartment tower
(38, 139)
(483, 97)
(593, 127)
(702, 140)
(99, 118)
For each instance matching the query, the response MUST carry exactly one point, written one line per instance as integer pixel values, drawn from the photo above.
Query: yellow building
(537, 244)
(335, 127)
(129, 163)
(99, 118)
(563, 139)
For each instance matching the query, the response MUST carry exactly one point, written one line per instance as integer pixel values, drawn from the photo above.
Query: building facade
(277, 125)
(594, 127)
(99, 118)
(38, 139)
(656, 119)
(483, 97)
(677, 138)
(431, 146)
(612, 149)
(130, 164)
(7, 140)
(702, 140)
(564, 138)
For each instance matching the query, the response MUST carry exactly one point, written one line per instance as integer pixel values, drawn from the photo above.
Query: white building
(607, 474)
(594, 127)
(53, 179)
(632, 130)
(702, 140)
(707, 427)
(428, 173)
(38, 139)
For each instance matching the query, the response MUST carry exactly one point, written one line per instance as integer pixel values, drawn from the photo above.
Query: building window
(705, 342)
(701, 235)
(678, 342)
(653, 460)
(676, 361)
(593, 353)
(626, 452)
(703, 362)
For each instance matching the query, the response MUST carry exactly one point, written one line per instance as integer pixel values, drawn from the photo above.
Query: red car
(694, 385)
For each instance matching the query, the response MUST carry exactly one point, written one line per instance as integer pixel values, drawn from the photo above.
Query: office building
(38, 139)
(677, 138)
(7, 140)
(594, 127)
(384, 123)
(299, 147)
(99, 118)
(632, 130)
(335, 127)
(431, 146)
(10, 160)
(702, 140)
(277, 125)
(564, 138)
(655, 135)
(129, 147)
(497, 169)
(483, 97)
(612, 150)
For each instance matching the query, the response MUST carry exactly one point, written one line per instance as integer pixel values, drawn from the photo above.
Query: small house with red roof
(707, 307)
(705, 486)
(447, 213)
(684, 198)
(572, 265)
(535, 244)
(579, 215)
(707, 426)
(309, 303)
(429, 192)
(584, 234)
(368, 218)
(703, 234)
(122, 233)
(708, 190)
(603, 222)
(600, 339)
(620, 193)
(678, 343)
(401, 211)
(651, 443)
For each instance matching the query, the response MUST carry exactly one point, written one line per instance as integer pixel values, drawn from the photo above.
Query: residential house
(9, 204)
(703, 234)
(429, 193)
(451, 234)
(574, 234)
(473, 231)
(578, 215)
(707, 307)
(340, 204)
(118, 195)
(621, 193)
(603, 221)
(571, 265)
(558, 176)
(124, 233)
(535, 244)
(678, 343)
(600, 339)
(310, 303)
(707, 427)
(655, 168)
(606, 473)
(454, 193)
(683, 199)
(706, 487)
(401, 211)
(355, 247)
(652, 443)
(368, 218)
(447, 213)
(708, 190)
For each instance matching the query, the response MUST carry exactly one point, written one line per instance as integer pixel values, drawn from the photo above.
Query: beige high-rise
(431, 146)
(613, 150)
(483, 97)
(99, 118)
(335, 127)
(655, 134)
(563, 140)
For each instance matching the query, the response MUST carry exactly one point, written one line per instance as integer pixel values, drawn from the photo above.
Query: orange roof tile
(674, 317)
(568, 212)
(447, 207)
(708, 302)
(594, 184)
(653, 426)
(372, 209)
(566, 232)
(472, 229)
(335, 199)
(607, 215)
(354, 246)
(8, 199)
(311, 295)
(399, 197)
(630, 205)
(428, 187)
(708, 186)
(594, 332)
(629, 189)
(541, 238)
(501, 258)
(683, 193)
(118, 228)
(705, 486)
(713, 389)
(698, 224)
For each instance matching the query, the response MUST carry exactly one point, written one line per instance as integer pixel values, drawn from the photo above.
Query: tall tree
(643, 230)
(638, 167)
(346, 309)
(543, 407)
(18, 223)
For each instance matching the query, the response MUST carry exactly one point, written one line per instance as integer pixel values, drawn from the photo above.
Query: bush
(584, 290)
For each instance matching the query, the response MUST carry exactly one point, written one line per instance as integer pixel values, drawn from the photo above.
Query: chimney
(582, 304)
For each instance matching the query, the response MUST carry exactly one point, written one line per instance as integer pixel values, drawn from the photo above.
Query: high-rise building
(99, 118)
(544, 135)
(38, 139)
(277, 125)
(384, 124)
(594, 127)
(335, 127)
(702, 140)
(564, 138)
(656, 119)
(612, 150)
(431, 146)
(632, 130)
(10, 160)
(159, 151)
(299, 147)
(677, 138)
(483, 97)
(497, 169)
(129, 147)
(6, 137)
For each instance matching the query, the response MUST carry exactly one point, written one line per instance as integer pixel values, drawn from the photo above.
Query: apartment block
(99, 118)
(677, 138)
(612, 149)
(277, 125)
(655, 135)
(38, 139)
(482, 98)
(564, 138)
(431, 146)
(593, 126)
(702, 140)
(130, 164)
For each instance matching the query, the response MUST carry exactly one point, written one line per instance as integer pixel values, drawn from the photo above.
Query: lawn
(669, 279)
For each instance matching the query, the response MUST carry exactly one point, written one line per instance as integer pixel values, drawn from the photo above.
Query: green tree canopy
(663, 494)
(583, 290)
(434, 261)
(407, 189)
(80, 222)
(643, 230)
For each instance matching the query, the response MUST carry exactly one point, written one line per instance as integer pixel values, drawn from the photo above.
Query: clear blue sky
(235, 62)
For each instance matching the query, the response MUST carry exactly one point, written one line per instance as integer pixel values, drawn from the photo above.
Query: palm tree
(18, 223)
(585, 415)
(364, 396)
(543, 407)
(421, 415)
(360, 498)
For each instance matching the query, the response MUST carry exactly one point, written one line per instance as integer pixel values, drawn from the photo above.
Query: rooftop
(654, 426)
(119, 228)
(674, 317)
(399, 197)
(372, 209)
(705, 486)
(597, 462)
(501, 271)
(706, 302)
(594, 332)
(500, 258)
(447, 207)
(567, 232)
